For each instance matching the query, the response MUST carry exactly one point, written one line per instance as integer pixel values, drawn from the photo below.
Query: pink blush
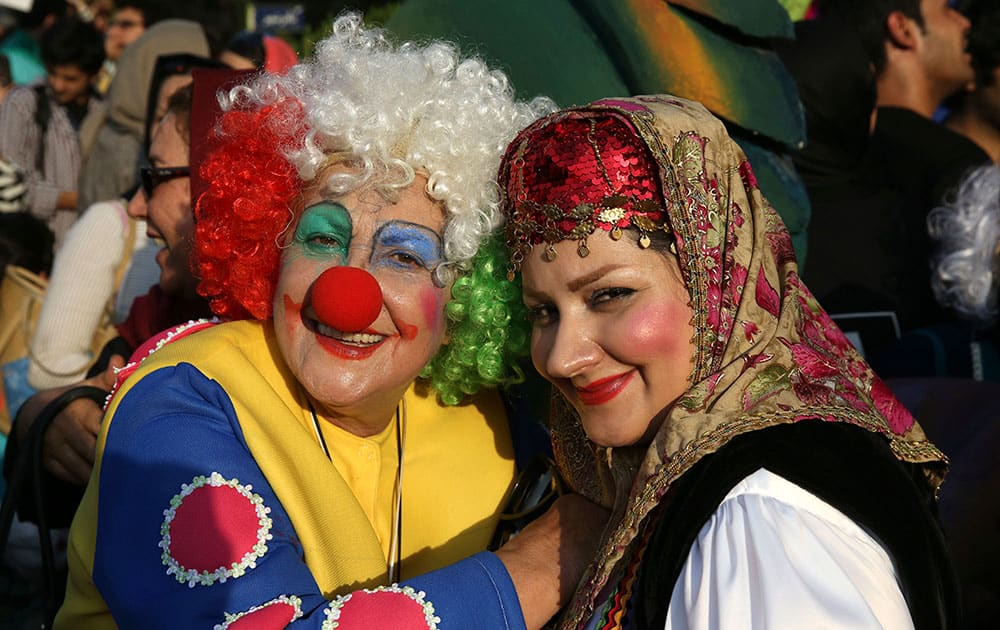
(431, 303)
(658, 328)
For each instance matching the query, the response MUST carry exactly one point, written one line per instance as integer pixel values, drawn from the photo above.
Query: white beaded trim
(191, 577)
(131, 366)
(290, 600)
(332, 611)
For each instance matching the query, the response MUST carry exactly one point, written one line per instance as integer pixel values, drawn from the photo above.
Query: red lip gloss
(602, 391)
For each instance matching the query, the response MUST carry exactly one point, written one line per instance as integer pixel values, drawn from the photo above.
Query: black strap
(29, 464)
(43, 114)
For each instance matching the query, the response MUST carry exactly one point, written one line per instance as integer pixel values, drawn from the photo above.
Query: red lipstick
(602, 391)
(345, 351)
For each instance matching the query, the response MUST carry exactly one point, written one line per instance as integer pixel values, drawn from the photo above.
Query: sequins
(573, 175)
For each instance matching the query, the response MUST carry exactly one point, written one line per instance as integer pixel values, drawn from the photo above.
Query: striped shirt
(19, 145)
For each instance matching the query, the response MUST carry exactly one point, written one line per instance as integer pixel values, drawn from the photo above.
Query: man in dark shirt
(918, 51)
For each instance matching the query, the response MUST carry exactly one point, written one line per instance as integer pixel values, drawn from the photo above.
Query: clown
(260, 472)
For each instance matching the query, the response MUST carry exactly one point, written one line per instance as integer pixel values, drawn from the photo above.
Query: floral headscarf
(765, 352)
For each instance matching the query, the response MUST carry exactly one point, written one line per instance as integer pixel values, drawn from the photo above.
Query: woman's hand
(547, 559)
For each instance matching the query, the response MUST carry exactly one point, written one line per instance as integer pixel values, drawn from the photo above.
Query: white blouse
(774, 556)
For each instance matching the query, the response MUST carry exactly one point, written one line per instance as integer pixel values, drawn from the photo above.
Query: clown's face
(357, 378)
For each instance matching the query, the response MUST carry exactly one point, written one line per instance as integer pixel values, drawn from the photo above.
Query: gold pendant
(616, 233)
(644, 241)
(550, 254)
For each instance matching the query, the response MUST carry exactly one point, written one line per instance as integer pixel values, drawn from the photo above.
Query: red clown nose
(347, 299)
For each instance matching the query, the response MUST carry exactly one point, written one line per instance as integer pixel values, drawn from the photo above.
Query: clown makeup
(324, 231)
(404, 246)
(355, 377)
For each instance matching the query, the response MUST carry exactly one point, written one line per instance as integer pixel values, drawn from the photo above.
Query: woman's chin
(612, 431)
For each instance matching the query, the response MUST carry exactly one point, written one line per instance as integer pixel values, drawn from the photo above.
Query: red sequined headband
(568, 175)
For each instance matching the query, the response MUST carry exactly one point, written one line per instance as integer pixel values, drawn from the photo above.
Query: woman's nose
(569, 352)
(348, 299)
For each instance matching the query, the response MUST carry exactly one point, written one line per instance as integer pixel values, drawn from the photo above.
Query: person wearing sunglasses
(69, 443)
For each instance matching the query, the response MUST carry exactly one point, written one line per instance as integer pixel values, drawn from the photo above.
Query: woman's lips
(600, 392)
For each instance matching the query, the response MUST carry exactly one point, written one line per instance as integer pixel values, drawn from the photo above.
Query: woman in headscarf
(760, 475)
(260, 472)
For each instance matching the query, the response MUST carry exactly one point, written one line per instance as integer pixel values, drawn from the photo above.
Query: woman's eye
(542, 315)
(605, 296)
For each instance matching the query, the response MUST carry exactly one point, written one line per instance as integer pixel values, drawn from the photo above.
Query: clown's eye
(324, 240)
(407, 259)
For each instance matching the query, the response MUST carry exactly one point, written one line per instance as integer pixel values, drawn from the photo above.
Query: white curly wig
(397, 109)
(967, 231)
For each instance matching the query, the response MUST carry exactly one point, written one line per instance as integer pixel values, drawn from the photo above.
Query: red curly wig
(241, 216)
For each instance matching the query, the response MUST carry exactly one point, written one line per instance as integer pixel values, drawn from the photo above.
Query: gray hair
(967, 233)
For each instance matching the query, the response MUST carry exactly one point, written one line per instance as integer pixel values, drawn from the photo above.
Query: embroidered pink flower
(749, 330)
(812, 363)
(767, 297)
(811, 391)
(753, 360)
(897, 416)
(781, 245)
(737, 282)
(737, 218)
(746, 172)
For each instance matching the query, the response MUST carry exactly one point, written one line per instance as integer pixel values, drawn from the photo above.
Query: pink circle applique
(215, 529)
(400, 608)
(276, 614)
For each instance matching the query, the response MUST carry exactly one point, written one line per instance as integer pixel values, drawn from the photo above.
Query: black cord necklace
(396, 542)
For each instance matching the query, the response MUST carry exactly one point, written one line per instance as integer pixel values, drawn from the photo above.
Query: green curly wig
(488, 329)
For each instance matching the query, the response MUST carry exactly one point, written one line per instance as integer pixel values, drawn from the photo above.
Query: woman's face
(612, 332)
(358, 378)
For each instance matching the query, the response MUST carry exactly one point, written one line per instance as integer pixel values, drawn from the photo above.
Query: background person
(919, 52)
(975, 111)
(39, 126)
